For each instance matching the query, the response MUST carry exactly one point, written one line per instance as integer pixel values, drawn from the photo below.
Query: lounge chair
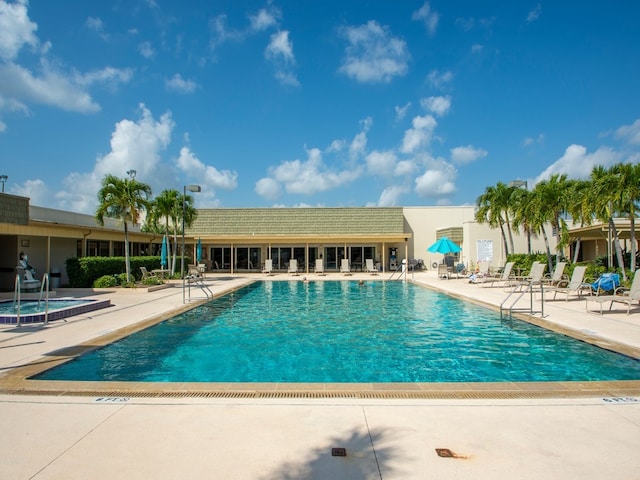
(344, 267)
(534, 277)
(320, 266)
(293, 267)
(443, 271)
(504, 278)
(575, 285)
(370, 267)
(268, 267)
(606, 283)
(557, 276)
(620, 295)
(146, 274)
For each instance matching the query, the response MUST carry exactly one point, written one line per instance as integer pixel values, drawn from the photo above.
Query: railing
(199, 282)
(529, 288)
(17, 297)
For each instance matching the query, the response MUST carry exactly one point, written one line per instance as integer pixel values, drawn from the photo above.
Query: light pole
(3, 179)
(191, 188)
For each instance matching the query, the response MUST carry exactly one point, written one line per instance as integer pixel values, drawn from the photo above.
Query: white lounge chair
(320, 266)
(504, 278)
(620, 295)
(146, 274)
(576, 285)
(268, 267)
(557, 276)
(293, 267)
(344, 267)
(370, 267)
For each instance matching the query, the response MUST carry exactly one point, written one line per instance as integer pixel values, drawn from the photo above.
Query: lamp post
(3, 179)
(191, 188)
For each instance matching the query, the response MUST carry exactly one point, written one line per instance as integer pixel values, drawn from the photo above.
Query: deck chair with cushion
(370, 267)
(557, 276)
(344, 267)
(622, 295)
(319, 267)
(575, 285)
(293, 267)
(268, 267)
(533, 278)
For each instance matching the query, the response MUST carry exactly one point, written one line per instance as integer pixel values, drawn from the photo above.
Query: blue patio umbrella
(199, 251)
(444, 246)
(163, 253)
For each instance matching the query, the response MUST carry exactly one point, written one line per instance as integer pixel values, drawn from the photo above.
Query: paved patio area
(577, 431)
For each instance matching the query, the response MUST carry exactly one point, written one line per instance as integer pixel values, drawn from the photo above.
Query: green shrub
(151, 281)
(106, 281)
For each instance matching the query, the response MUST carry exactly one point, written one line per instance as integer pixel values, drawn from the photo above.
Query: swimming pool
(341, 332)
(33, 311)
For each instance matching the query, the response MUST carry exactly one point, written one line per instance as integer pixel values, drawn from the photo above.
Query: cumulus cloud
(16, 29)
(306, 177)
(279, 52)
(109, 76)
(264, 19)
(207, 175)
(419, 135)
(390, 196)
(180, 85)
(35, 189)
(531, 141)
(577, 163)
(429, 17)
(467, 154)
(96, 25)
(438, 105)
(382, 163)
(134, 145)
(373, 54)
(630, 133)
(438, 180)
(146, 49)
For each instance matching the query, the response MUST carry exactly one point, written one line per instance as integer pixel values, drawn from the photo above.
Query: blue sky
(326, 103)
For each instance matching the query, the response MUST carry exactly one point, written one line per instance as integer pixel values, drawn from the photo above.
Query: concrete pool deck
(523, 431)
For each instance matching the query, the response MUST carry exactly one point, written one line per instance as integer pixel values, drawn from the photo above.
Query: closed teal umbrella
(163, 253)
(199, 251)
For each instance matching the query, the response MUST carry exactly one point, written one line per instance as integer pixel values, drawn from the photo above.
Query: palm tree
(626, 198)
(489, 211)
(167, 207)
(123, 199)
(522, 212)
(603, 202)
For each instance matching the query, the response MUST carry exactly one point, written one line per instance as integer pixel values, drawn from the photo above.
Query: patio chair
(370, 267)
(268, 267)
(533, 278)
(505, 278)
(344, 267)
(620, 295)
(557, 276)
(320, 267)
(146, 274)
(576, 285)
(443, 271)
(293, 267)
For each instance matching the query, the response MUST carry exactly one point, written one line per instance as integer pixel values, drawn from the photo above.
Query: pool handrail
(17, 297)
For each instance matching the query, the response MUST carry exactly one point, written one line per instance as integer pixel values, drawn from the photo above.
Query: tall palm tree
(626, 198)
(123, 199)
(522, 208)
(489, 211)
(604, 203)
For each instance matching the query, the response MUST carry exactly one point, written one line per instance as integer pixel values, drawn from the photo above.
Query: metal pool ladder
(44, 290)
(530, 288)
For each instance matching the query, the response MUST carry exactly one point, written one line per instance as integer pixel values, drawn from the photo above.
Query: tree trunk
(616, 242)
(577, 251)
(548, 248)
(504, 239)
(127, 264)
(632, 240)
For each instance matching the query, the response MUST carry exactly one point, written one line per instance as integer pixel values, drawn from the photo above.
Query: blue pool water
(338, 331)
(35, 306)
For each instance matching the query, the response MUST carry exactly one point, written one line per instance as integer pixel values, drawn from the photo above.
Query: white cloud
(530, 141)
(109, 76)
(438, 105)
(405, 168)
(630, 133)
(577, 163)
(401, 112)
(373, 54)
(390, 196)
(381, 163)
(534, 14)
(50, 88)
(280, 53)
(428, 17)
(304, 177)
(476, 48)
(467, 154)
(264, 19)
(437, 181)
(16, 29)
(97, 25)
(35, 189)
(146, 49)
(359, 143)
(134, 145)
(206, 175)
(438, 79)
(180, 85)
(420, 135)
